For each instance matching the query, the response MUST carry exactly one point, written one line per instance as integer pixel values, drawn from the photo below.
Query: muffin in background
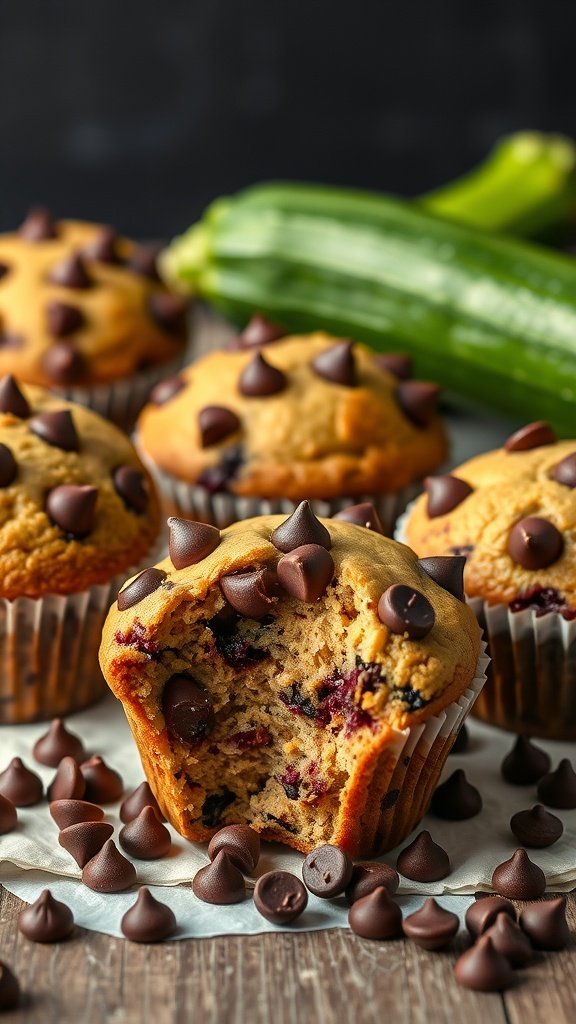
(78, 513)
(512, 513)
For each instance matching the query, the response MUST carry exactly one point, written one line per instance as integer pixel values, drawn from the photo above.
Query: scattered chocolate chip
(509, 940)
(361, 515)
(20, 785)
(260, 331)
(215, 423)
(132, 486)
(148, 920)
(8, 466)
(104, 246)
(280, 897)
(545, 924)
(483, 969)
(188, 709)
(10, 340)
(482, 914)
(9, 988)
(337, 364)
(64, 364)
(169, 311)
(167, 389)
(376, 916)
(259, 379)
(46, 920)
(109, 871)
(11, 398)
(460, 745)
(146, 583)
(73, 508)
(4, 270)
(423, 860)
(418, 400)
(399, 364)
(57, 743)
(536, 828)
(189, 542)
(533, 435)
(220, 882)
(38, 226)
(431, 927)
(144, 260)
(445, 493)
(57, 429)
(301, 527)
(145, 837)
(8, 816)
(136, 801)
(558, 788)
(456, 799)
(71, 273)
(327, 871)
(85, 839)
(72, 812)
(565, 471)
(68, 783)
(519, 878)
(252, 594)
(447, 571)
(306, 572)
(63, 319)
(525, 763)
(535, 543)
(405, 610)
(369, 875)
(103, 784)
(241, 843)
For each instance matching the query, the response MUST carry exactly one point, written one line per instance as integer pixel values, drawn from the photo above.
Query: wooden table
(329, 977)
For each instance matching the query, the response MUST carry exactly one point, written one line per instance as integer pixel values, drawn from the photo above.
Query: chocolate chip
(220, 882)
(8, 466)
(85, 839)
(306, 572)
(525, 763)
(8, 816)
(9, 988)
(56, 428)
(535, 543)
(132, 486)
(484, 912)
(519, 878)
(63, 319)
(363, 514)
(565, 471)
(11, 398)
(399, 364)
(431, 927)
(144, 261)
(536, 828)
(64, 364)
(166, 390)
(104, 785)
(260, 331)
(71, 273)
(57, 743)
(148, 920)
(280, 897)
(447, 571)
(11, 340)
(46, 920)
(369, 875)
(558, 788)
(252, 594)
(337, 364)
(145, 837)
(376, 916)
(216, 423)
(72, 812)
(456, 799)
(534, 435)
(545, 924)
(483, 968)
(445, 493)
(68, 783)
(109, 871)
(4, 270)
(302, 527)
(104, 246)
(405, 610)
(259, 378)
(327, 871)
(508, 939)
(73, 508)
(190, 542)
(188, 709)
(241, 843)
(142, 586)
(169, 311)
(423, 860)
(418, 400)
(460, 745)
(38, 226)
(136, 801)
(20, 785)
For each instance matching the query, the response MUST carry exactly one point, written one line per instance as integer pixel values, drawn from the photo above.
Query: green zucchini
(489, 317)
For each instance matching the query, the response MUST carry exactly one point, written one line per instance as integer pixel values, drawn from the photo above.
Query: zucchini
(489, 317)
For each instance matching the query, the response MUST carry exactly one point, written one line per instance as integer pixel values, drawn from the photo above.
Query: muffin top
(76, 505)
(512, 513)
(80, 305)
(306, 416)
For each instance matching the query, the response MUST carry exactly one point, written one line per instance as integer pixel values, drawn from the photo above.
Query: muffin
(78, 513)
(512, 514)
(305, 676)
(83, 312)
(258, 427)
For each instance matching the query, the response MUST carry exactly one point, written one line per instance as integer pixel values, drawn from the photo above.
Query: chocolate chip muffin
(305, 676)
(77, 513)
(83, 311)
(512, 514)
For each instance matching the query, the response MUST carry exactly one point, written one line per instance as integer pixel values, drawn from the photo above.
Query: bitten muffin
(298, 417)
(272, 673)
(77, 513)
(512, 513)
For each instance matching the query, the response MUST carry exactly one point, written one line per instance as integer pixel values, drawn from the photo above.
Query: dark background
(139, 113)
